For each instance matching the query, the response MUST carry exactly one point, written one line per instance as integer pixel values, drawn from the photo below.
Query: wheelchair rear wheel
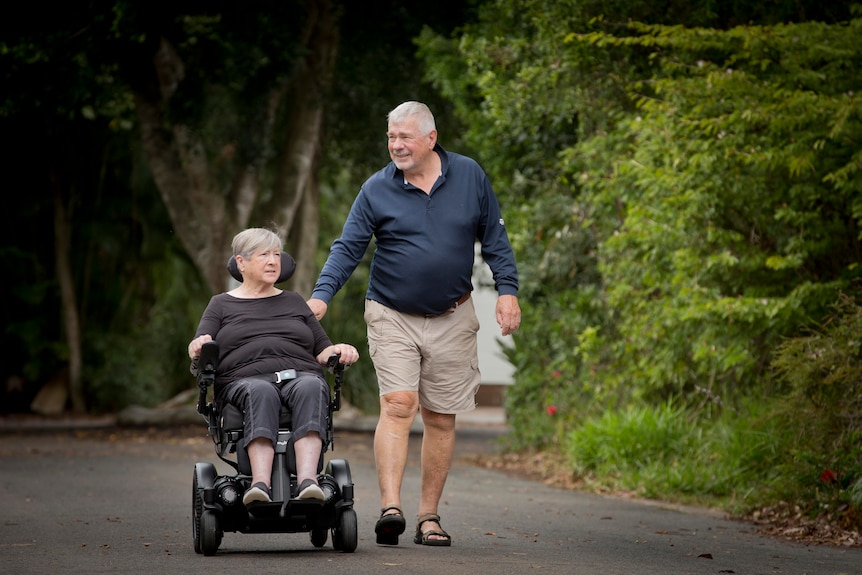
(339, 469)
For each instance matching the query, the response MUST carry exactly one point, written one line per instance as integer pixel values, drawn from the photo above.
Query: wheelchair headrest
(288, 266)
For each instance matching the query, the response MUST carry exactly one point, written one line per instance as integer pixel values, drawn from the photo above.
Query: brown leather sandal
(421, 538)
(390, 526)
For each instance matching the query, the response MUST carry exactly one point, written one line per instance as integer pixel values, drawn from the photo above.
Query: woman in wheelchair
(265, 333)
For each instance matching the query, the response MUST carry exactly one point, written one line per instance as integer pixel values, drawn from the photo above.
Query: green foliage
(70, 74)
(735, 230)
(57, 72)
(855, 493)
(823, 405)
(667, 452)
(681, 185)
(377, 69)
(638, 438)
(140, 358)
(698, 181)
(555, 365)
(740, 460)
(71, 120)
(824, 368)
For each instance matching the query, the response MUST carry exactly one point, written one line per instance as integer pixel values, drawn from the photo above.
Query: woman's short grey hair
(249, 241)
(409, 109)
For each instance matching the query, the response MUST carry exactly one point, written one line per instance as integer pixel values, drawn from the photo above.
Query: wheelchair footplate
(301, 507)
(289, 508)
(261, 510)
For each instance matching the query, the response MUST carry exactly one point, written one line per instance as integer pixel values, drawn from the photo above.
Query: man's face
(408, 148)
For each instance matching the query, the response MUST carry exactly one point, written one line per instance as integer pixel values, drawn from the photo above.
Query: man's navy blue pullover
(423, 261)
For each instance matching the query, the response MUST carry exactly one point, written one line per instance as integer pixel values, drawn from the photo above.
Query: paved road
(90, 502)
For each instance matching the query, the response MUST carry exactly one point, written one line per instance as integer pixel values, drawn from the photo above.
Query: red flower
(556, 374)
(828, 476)
(552, 410)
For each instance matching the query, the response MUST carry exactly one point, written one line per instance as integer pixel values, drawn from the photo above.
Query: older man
(426, 210)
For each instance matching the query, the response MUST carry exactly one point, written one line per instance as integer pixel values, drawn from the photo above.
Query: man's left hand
(508, 314)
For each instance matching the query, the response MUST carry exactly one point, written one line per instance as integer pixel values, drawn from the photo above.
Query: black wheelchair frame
(217, 499)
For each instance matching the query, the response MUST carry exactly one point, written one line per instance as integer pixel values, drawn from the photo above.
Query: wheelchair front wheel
(346, 535)
(319, 536)
(197, 511)
(210, 533)
(204, 477)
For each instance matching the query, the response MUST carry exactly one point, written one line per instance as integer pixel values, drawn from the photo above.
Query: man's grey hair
(409, 109)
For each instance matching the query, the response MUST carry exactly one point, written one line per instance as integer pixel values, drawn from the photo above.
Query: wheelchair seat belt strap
(283, 375)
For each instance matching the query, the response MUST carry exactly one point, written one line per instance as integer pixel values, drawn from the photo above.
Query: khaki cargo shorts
(434, 356)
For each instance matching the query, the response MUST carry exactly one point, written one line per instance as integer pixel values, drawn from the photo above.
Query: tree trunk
(178, 163)
(71, 324)
(297, 194)
(204, 218)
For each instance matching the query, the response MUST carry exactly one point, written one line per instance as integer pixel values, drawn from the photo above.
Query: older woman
(262, 330)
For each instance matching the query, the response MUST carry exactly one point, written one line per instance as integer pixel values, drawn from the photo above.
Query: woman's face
(262, 266)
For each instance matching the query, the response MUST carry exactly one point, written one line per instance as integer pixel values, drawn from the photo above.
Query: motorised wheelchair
(217, 504)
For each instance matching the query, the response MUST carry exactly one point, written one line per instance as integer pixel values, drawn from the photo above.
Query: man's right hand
(318, 307)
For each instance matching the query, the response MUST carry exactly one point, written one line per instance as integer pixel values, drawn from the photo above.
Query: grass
(735, 462)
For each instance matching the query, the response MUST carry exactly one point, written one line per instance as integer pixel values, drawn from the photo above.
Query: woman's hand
(196, 345)
(348, 354)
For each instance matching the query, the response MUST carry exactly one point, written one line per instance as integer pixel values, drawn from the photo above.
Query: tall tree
(52, 106)
(230, 111)
(229, 104)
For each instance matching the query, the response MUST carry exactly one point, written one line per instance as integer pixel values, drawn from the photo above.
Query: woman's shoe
(390, 526)
(309, 489)
(258, 493)
(425, 538)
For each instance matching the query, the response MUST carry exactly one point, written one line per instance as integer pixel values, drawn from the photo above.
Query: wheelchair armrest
(206, 365)
(336, 368)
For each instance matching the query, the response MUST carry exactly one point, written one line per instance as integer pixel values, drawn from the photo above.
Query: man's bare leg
(391, 442)
(438, 445)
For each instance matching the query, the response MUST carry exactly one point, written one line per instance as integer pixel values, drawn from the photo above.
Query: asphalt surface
(99, 499)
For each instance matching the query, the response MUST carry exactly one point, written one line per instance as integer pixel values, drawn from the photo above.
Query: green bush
(823, 405)
(550, 394)
(676, 454)
(798, 443)
(142, 359)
